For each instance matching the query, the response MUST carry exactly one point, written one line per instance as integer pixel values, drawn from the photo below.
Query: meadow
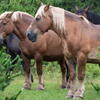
(52, 77)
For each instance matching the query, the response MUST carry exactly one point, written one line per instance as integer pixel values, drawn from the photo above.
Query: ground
(52, 87)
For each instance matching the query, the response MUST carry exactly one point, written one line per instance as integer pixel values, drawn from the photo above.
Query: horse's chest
(26, 50)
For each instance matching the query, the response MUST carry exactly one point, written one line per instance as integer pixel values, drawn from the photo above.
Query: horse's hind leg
(27, 72)
(63, 70)
(39, 72)
(81, 61)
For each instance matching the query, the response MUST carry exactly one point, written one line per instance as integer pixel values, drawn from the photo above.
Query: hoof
(68, 86)
(24, 88)
(79, 94)
(77, 97)
(69, 96)
(27, 87)
(40, 87)
(63, 86)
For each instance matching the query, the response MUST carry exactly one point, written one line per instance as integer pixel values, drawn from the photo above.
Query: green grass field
(52, 86)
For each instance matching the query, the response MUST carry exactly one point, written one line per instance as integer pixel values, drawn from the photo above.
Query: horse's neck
(24, 21)
(19, 33)
(24, 39)
(27, 19)
(21, 25)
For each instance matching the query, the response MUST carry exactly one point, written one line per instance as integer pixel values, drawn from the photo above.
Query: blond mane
(19, 15)
(3, 15)
(16, 15)
(58, 17)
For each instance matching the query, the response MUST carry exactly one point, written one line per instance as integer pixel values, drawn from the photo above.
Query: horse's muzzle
(32, 36)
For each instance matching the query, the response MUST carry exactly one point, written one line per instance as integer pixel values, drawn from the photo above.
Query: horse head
(35, 29)
(83, 12)
(6, 25)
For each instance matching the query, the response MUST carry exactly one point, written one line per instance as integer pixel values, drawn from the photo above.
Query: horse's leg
(72, 78)
(39, 72)
(23, 64)
(71, 72)
(27, 73)
(81, 61)
(63, 70)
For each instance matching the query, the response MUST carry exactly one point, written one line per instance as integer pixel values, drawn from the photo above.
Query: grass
(52, 88)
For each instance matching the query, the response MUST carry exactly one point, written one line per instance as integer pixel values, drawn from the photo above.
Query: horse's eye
(4, 23)
(38, 18)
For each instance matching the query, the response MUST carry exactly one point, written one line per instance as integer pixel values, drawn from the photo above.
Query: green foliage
(31, 6)
(96, 87)
(92, 71)
(8, 70)
(13, 97)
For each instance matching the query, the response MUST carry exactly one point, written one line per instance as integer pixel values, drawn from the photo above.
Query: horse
(91, 16)
(35, 29)
(46, 47)
(80, 41)
(12, 42)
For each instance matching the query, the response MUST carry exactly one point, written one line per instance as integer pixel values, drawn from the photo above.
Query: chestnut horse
(35, 29)
(80, 40)
(47, 47)
(23, 20)
(12, 42)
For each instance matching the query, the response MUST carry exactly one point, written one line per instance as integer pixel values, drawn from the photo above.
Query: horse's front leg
(71, 84)
(27, 72)
(63, 70)
(81, 61)
(39, 72)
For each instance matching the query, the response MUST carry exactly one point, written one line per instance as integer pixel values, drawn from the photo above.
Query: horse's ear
(42, 4)
(76, 7)
(86, 9)
(9, 15)
(46, 7)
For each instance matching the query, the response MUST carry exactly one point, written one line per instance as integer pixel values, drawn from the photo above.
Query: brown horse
(48, 48)
(80, 40)
(23, 20)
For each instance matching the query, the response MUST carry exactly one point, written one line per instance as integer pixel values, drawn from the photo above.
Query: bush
(8, 71)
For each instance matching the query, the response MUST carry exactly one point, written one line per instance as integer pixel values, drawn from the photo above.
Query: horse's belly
(53, 53)
(53, 58)
(93, 56)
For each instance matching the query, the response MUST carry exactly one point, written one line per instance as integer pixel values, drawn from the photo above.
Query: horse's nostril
(32, 36)
(29, 36)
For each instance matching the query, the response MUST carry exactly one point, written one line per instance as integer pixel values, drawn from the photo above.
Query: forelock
(3, 15)
(40, 11)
